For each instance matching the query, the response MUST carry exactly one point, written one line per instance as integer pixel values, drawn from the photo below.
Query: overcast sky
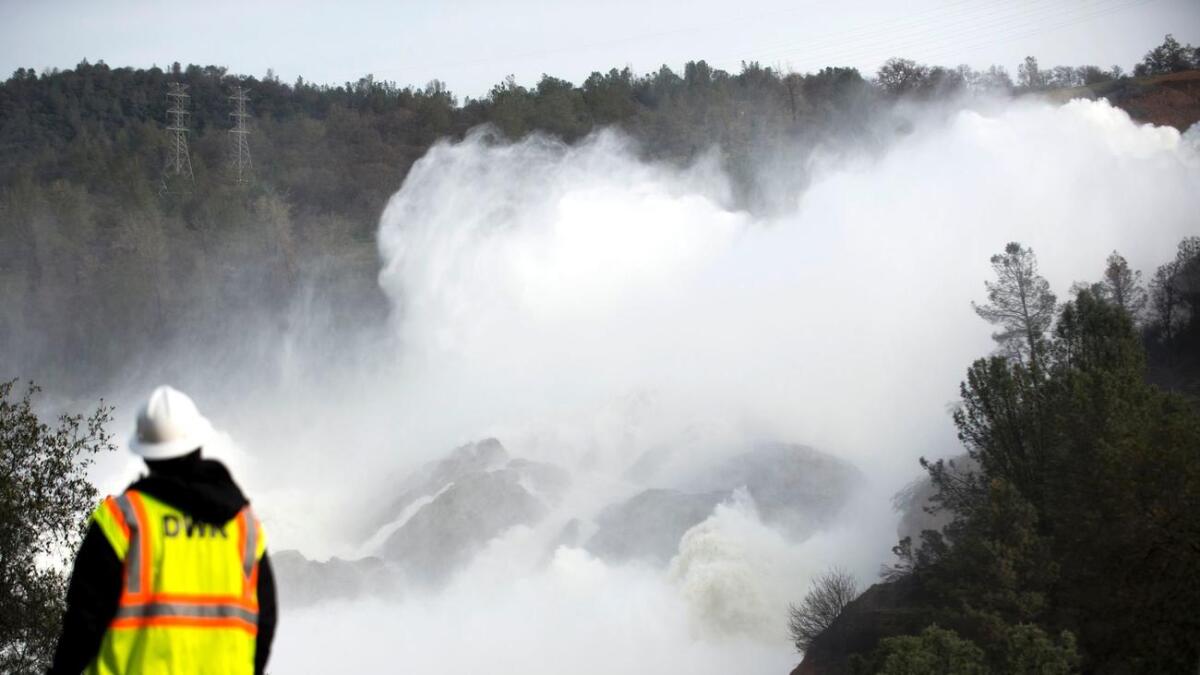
(474, 44)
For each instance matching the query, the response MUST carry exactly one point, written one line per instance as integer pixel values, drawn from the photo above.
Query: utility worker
(172, 575)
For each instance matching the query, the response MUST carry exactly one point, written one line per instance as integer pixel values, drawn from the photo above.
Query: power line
(949, 34)
(1040, 30)
(870, 32)
(641, 37)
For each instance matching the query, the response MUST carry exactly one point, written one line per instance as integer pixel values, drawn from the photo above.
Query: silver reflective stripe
(157, 610)
(251, 543)
(133, 557)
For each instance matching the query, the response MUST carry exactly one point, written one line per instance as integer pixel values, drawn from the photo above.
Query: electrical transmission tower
(179, 160)
(239, 156)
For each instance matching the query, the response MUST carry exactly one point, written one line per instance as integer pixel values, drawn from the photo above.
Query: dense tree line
(97, 263)
(1169, 57)
(907, 77)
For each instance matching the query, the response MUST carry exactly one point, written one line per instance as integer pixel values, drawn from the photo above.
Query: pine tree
(1021, 304)
(1123, 287)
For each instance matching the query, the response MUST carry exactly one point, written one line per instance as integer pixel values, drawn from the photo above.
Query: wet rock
(428, 480)
(650, 525)
(916, 500)
(546, 481)
(446, 533)
(796, 489)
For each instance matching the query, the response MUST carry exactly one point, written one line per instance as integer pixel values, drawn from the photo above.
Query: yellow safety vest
(189, 602)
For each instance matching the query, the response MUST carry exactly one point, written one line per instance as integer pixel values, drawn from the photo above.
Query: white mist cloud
(585, 307)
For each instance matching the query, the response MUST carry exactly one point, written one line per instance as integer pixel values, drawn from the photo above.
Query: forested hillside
(97, 263)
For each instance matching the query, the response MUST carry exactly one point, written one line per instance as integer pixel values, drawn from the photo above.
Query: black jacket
(201, 488)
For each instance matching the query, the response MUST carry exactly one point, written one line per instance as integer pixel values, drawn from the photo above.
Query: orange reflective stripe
(111, 504)
(135, 555)
(252, 583)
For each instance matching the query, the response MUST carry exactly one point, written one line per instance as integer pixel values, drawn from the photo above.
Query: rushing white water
(587, 307)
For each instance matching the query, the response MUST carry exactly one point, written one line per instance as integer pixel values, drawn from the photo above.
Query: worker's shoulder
(112, 518)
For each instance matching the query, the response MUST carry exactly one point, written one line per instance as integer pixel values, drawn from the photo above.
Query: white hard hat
(169, 425)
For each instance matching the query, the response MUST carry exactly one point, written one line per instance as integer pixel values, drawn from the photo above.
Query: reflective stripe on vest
(132, 526)
(248, 535)
(214, 615)
(246, 520)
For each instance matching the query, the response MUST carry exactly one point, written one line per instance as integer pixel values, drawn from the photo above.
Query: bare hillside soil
(1165, 100)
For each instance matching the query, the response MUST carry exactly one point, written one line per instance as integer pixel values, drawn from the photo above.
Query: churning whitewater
(626, 334)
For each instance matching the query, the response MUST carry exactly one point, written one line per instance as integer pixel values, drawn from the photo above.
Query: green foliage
(1027, 649)
(1023, 648)
(1169, 57)
(1079, 516)
(44, 500)
(936, 651)
(995, 565)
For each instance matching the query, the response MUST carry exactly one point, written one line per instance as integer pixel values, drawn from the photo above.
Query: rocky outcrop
(447, 511)
(429, 479)
(446, 533)
(649, 526)
(444, 514)
(917, 508)
(545, 481)
(796, 489)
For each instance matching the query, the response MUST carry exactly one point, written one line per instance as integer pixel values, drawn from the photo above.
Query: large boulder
(650, 524)
(797, 489)
(545, 481)
(446, 533)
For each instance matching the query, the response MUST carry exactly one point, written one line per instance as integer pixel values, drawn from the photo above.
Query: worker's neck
(176, 466)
